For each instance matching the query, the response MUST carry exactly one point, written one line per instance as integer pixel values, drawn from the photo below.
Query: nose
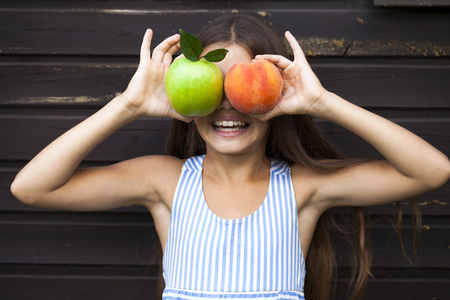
(225, 104)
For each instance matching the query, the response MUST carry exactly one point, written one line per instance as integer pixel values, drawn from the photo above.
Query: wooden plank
(390, 283)
(64, 282)
(386, 247)
(412, 3)
(78, 282)
(346, 28)
(394, 289)
(388, 289)
(434, 203)
(27, 135)
(434, 131)
(91, 32)
(383, 84)
(79, 240)
(380, 83)
(67, 287)
(70, 83)
(63, 83)
(78, 287)
(131, 240)
(79, 270)
(357, 29)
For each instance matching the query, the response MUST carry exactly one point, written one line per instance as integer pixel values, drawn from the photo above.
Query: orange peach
(253, 88)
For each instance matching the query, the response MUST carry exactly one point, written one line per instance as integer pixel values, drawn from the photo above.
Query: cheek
(202, 124)
(264, 128)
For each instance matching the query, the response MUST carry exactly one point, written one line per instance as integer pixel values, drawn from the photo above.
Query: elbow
(432, 177)
(23, 193)
(441, 175)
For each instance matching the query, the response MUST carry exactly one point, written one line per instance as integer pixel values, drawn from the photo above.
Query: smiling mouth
(229, 126)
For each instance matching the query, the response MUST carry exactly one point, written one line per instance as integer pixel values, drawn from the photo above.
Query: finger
(268, 115)
(145, 46)
(179, 56)
(296, 49)
(174, 115)
(168, 56)
(161, 49)
(280, 61)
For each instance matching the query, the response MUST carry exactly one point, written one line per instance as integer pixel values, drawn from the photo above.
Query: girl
(237, 203)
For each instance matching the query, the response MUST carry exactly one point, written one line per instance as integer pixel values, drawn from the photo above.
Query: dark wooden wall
(60, 61)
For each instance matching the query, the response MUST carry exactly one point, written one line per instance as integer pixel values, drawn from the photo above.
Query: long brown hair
(297, 140)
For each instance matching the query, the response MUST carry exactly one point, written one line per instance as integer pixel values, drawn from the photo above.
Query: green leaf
(191, 46)
(216, 55)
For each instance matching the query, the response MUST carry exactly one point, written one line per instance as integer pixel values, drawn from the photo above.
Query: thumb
(274, 112)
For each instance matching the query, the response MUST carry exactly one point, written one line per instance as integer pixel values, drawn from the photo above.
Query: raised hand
(302, 90)
(145, 93)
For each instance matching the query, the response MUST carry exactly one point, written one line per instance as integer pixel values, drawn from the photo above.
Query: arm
(412, 166)
(52, 180)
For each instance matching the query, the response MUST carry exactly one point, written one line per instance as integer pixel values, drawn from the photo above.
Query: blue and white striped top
(256, 257)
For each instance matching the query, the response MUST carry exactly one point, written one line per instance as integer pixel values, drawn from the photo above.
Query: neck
(235, 168)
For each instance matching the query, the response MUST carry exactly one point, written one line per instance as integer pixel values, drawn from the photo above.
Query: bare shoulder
(307, 185)
(159, 172)
(354, 183)
(149, 181)
(158, 175)
(157, 162)
(306, 182)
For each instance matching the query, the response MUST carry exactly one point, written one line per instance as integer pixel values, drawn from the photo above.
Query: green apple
(194, 88)
(193, 83)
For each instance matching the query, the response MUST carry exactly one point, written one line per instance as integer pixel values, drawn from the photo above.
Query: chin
(232, 133)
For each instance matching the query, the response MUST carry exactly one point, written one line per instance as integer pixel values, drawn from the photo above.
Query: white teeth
(229, 129)
(229, 126)
(229, 123)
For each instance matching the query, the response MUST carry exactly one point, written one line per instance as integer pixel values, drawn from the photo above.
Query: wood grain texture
(60, 61)
(27, 135)
(346, 28)
(120, 240)
(412, 3)
(369, 83)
